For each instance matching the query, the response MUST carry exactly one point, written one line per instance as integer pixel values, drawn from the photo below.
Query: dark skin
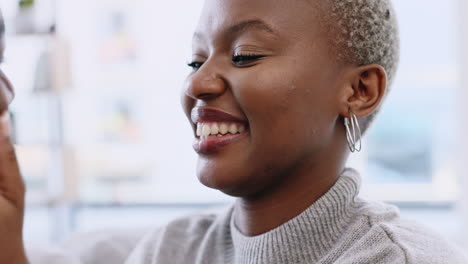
(288, 86)
(12, 188)
(270, 64)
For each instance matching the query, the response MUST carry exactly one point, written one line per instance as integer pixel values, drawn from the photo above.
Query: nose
(206, 86)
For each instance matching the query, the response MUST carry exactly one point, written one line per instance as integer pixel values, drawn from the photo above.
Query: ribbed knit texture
(307, 237)
(339, 228)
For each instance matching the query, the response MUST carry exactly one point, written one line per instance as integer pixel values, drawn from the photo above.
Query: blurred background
(103, 142)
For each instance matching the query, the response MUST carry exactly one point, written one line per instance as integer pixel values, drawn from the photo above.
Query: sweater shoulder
(387, 238)
(196, 224)
(420, 244)
(190, 227)
(187, 234)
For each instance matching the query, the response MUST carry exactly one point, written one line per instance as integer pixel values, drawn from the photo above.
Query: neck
(290, 197)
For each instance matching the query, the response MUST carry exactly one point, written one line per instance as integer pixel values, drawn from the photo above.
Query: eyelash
(239, 60)
(195, 65)
(244, 59)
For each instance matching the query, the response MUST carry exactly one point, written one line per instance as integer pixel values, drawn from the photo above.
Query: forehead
(288, 18)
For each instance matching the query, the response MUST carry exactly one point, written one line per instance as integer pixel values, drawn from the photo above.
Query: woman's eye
(243, 60)
(195, 65)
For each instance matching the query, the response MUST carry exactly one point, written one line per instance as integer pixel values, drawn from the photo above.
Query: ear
(364, 91)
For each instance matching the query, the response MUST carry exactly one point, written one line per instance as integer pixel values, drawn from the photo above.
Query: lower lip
(212, 145)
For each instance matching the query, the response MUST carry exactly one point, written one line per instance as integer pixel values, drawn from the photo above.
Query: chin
(227, 179)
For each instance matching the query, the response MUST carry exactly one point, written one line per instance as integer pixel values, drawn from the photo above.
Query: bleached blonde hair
(364, 32)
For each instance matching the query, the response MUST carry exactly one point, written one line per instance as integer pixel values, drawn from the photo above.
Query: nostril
(206, 88)
(206, 96)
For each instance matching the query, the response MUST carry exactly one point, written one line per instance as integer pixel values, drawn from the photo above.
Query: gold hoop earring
(353, 132)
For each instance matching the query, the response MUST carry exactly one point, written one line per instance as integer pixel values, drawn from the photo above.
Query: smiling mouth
(218, 129)
(215, 129)
(209, 144)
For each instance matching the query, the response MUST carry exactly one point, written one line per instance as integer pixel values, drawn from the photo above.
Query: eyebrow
(253, 24)
(241, 27)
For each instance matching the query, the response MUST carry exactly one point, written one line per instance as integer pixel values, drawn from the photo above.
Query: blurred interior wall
(463, 110)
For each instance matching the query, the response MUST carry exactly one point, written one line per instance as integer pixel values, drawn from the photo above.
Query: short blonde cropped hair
(364, 32)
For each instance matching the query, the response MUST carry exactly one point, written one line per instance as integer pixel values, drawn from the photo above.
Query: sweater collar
(307, 237)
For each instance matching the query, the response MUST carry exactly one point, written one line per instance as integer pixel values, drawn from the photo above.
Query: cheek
(265, 94)
(277, 96)
(287, 109)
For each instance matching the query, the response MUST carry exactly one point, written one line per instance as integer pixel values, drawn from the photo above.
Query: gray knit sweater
(338, 228)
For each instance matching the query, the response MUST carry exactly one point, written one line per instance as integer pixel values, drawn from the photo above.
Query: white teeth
(206, 130)
(218, 129)
(214, 129)
(223, 129)
(233, 129)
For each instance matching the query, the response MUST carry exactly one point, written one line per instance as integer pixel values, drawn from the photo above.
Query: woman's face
(265, 87)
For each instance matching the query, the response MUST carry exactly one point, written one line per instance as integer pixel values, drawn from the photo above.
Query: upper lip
(207, 114)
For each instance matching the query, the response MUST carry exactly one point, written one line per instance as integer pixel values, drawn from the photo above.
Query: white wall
(463, 108)
(163, 30)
